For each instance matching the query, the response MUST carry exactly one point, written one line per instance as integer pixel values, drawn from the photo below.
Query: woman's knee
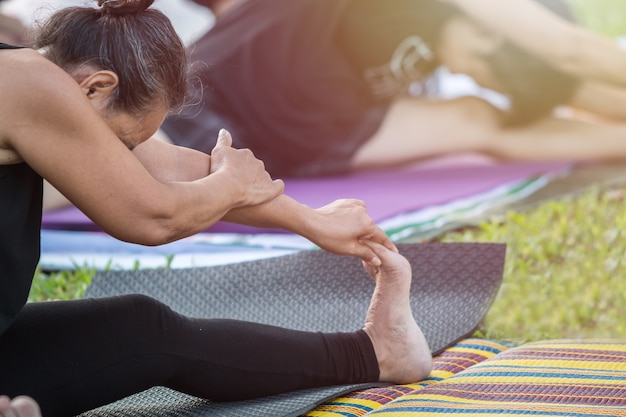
(137, 314)
(478, 121)
(476, 110)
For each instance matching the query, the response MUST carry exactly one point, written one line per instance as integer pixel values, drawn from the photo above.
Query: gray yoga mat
(453, 286)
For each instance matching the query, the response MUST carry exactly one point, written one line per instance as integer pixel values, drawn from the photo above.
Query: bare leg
(561, 139)
(401, 349)
(416, 129)
(19, 407)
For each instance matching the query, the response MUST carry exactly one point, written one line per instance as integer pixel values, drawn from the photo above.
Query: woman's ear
(99, 86)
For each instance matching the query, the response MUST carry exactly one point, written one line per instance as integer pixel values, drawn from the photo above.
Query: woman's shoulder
(25, 62)
(31, 84)
(25, 73)
(26, 69)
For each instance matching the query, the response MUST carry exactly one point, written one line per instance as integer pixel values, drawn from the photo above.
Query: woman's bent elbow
(150, 232)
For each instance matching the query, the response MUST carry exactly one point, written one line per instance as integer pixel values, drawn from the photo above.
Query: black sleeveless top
(21, 191)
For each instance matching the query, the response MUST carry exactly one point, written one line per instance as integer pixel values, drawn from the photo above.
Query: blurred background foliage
(603, 16)
(565, 268)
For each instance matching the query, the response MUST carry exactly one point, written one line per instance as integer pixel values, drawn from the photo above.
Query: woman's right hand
(245, 175)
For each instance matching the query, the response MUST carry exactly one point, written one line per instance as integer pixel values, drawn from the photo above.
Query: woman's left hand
(343, 226)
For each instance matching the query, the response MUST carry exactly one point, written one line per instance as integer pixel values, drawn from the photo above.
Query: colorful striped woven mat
(574, 378)
(452, 361)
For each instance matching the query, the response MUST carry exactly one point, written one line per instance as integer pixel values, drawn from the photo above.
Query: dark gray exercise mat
(453, 286)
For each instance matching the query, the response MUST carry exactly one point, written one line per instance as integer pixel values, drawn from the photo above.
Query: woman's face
(462, 46)
(132, 130)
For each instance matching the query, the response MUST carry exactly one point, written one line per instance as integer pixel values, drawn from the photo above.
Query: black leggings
(74, 356)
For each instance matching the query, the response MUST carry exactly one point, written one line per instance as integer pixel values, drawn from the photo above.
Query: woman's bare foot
(19, 407)
(402, 351)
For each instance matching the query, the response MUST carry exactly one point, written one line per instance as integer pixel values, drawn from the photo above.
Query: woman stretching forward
(79, 112)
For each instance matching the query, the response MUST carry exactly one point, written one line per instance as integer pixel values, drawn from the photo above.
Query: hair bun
(122, 7)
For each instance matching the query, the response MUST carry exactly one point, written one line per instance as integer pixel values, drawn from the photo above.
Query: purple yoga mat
(387, 193)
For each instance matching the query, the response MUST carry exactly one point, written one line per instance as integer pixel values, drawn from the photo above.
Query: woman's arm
(167, 162)
(50, 123)
(568, 47)
(338, 227)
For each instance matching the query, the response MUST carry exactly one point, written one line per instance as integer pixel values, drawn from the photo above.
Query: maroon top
(287, 78)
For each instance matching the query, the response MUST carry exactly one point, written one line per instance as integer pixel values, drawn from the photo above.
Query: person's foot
(401, 349)
(19, 407)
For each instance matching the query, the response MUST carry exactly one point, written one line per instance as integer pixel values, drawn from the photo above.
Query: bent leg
(415, 129)
(77, 355)
(561, 139)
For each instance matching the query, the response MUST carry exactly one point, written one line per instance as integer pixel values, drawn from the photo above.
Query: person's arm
(51, 124)
(568, 47)
(167, 162)
(339, 227)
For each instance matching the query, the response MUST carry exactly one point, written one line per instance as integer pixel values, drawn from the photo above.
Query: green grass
(603, 16)
(64, 285)
(564, 275)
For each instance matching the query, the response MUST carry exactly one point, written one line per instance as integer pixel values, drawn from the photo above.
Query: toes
(25, 407)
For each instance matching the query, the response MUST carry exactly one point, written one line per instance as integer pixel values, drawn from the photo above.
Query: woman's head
(533, 86)
(138, 45)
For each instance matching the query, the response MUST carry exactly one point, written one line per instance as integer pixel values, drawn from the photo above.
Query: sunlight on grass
(63, 285)
(603, 16)
(564, 274)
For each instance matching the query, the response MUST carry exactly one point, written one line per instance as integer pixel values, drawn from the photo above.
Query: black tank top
(20, 228)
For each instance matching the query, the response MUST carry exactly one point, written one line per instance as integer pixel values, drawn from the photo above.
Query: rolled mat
(453, 286)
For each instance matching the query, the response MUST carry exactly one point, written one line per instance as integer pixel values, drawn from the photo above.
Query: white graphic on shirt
(408, 64)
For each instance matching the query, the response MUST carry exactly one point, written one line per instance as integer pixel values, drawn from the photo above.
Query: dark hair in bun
(122, 7)
(127, 37)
